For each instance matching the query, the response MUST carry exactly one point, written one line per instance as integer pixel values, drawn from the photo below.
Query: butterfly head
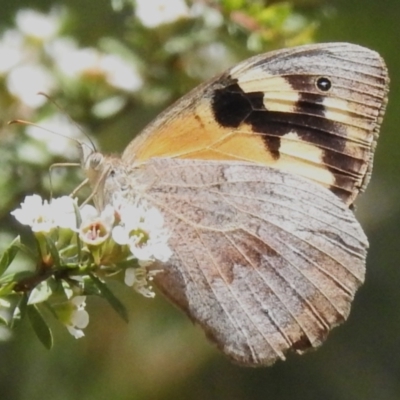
(105, 174)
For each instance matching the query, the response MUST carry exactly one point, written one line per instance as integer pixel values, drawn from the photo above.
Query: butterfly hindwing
(264, 261)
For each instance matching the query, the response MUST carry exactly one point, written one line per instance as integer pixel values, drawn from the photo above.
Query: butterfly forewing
(312, 110)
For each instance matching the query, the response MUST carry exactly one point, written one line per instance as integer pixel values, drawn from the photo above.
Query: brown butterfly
(254, 172)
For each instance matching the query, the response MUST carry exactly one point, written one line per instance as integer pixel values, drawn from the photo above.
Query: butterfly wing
(311, 110)
(265, 261)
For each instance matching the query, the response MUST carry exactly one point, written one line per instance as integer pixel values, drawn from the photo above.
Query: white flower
(89, 62)
(74, 316)
(36, 213)
(95, 227)
(38, 25)
(142, 230)
(152, 13)
(139, 279)
(63, 209)
(25, 81)
(211, 15)
(120, 74)
(11, 50)
(42, 216)
(75, 62)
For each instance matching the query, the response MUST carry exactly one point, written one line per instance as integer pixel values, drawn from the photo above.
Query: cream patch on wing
(281, 101)
(357, 116)
(279, 95)
(303, 158)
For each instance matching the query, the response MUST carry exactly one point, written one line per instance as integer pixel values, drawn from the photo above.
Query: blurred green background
(160, 354)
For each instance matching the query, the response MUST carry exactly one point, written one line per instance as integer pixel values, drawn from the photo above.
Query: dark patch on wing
(232, 107)
(339, 162)
(310, 103)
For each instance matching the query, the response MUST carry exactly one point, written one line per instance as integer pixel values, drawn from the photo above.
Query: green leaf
(77, 214)
(40, 293)
(274, 15)
(3, 321)
(90, 288)
(40, 327)
(78, 223)
(7, 289)
(16, 277)
(110, 297)
(25, 249)
(53, 251)
(230, 5)
(19, 311)
(9, 254)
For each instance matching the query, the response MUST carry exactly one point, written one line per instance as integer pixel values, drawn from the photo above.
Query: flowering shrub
(76, 249)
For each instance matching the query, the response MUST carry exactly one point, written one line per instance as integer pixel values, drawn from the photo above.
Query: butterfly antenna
(69, 118)
(23, 122)
(56, 165)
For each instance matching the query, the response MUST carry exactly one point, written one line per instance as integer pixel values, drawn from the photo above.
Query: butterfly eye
(95, 160)
(112, 173)
(323, 84)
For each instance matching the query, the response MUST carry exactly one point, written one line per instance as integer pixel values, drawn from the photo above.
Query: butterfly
(255, 173)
